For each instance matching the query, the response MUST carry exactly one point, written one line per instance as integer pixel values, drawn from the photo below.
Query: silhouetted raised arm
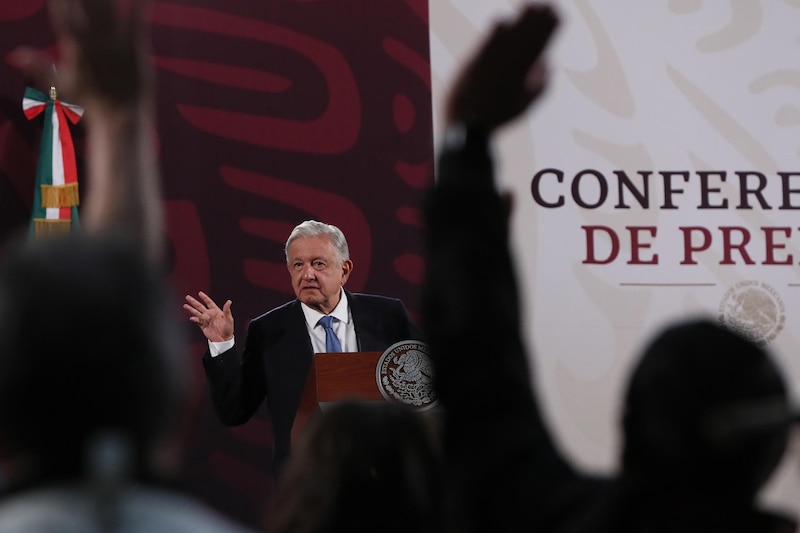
(104, 67)
(504, 473)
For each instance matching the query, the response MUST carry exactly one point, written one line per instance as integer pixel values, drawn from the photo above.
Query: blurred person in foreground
(92, 383)
(705, 414)
(361, 466)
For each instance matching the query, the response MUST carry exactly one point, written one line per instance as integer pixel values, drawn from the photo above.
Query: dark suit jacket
(277, 357)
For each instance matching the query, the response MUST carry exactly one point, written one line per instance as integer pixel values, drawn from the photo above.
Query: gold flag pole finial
(53, 80)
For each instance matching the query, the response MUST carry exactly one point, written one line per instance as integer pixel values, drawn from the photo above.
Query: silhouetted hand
(103, 49)
(215, 323)
(507, 72)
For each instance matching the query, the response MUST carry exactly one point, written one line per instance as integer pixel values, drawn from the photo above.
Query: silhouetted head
(707, 409)
(361, 467)
(89, 345)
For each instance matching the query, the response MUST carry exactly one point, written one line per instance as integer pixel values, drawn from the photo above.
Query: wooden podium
(336, 376)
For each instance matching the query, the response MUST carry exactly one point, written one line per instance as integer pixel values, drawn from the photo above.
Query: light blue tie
(332, 343)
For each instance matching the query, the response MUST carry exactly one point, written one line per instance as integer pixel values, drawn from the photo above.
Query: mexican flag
(55, 198)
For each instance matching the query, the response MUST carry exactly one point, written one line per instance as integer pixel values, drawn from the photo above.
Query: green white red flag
(55, 198)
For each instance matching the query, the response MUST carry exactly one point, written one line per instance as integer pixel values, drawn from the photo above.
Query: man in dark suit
(280, 343)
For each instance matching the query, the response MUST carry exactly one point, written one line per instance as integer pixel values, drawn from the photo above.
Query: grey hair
(313, 228)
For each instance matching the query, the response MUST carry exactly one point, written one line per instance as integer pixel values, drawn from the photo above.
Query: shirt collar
(341, 312)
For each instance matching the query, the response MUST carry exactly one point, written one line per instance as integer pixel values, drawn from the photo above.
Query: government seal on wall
(753, 309)
(404, 374)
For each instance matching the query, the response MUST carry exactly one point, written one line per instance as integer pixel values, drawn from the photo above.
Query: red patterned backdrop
(270, 113)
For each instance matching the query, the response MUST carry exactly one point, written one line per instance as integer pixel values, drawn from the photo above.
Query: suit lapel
(293, 353)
